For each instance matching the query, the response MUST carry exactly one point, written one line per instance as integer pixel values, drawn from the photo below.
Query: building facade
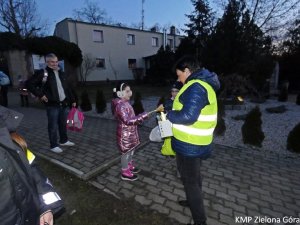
(117, 51)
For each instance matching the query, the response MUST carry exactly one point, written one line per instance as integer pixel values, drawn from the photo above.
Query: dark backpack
(44, 80)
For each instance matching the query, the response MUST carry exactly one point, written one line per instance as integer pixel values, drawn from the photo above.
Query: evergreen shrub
(283, 93)
(137, 104)
(221, 107)
(293, 143)
(298, 99)
(100, 102)
(221, 127)
(85, 101)
(251, 130)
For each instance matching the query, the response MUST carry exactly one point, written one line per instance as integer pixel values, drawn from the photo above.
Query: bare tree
(269, 15)
(90, 13)
(21, 17)
(273, 14)
(87, 66)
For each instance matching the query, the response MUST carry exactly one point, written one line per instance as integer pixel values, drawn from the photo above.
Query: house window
(170, 43)
(98, 36)
(154, 41)
(131, 63)
(100, 63)
(130, 39)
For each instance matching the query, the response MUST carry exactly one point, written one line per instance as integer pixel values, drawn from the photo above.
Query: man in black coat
(51, 87)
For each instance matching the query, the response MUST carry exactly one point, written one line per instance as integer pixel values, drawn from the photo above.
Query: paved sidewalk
(238, 184)
(95, 145)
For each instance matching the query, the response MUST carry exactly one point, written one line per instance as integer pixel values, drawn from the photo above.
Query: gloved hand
(160, 108)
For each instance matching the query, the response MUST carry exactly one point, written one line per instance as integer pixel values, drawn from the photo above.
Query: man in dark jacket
(27, 196)
(194, 117)
(51, 86)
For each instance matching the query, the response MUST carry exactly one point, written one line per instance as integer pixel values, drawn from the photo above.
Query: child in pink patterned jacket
(127, 134)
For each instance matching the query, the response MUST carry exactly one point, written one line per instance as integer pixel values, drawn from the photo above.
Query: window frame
(130, 39)
(132, 65)
(98, 61)
(154, 39)
(99, 39)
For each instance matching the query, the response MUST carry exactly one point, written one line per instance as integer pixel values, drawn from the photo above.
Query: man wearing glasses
(51, 87)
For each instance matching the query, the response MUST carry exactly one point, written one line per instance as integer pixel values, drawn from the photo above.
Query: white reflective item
(50, 197)
(207, 117)
(165, 128)
(194, 131)
(155, 135)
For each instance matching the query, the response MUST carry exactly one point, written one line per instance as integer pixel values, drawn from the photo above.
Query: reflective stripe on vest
(30, 156)
(50, 197)
(200, 132)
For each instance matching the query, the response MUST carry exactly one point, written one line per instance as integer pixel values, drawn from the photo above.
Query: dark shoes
(183, 203)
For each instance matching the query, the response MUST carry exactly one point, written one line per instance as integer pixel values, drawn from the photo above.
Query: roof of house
(120, 26)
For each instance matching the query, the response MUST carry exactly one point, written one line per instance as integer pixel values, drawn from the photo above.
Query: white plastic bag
(155, 135)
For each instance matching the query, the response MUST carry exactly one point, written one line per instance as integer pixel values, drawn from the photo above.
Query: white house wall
(114, 48)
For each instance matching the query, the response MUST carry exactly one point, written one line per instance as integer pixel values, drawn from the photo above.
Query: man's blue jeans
(57, 120)
(189, 169)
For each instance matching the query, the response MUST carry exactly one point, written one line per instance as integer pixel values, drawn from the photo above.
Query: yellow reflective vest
(200, 132)
(30, 156)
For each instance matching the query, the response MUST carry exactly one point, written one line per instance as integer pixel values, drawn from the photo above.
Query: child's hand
(160, 108)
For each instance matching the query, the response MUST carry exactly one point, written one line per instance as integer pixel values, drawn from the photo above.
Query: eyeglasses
(51, 61)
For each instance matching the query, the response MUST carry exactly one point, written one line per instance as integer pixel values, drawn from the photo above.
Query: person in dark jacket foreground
(194, 117)
(27, 196)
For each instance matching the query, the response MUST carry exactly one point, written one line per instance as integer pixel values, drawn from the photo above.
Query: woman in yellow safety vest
(194, 118)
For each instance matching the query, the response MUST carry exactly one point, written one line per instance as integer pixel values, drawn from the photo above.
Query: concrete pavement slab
(237, 184)
(241, 186)
(95, 147)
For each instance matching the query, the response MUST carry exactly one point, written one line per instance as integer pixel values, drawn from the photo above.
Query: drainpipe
(76, 36)
(164, 38)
